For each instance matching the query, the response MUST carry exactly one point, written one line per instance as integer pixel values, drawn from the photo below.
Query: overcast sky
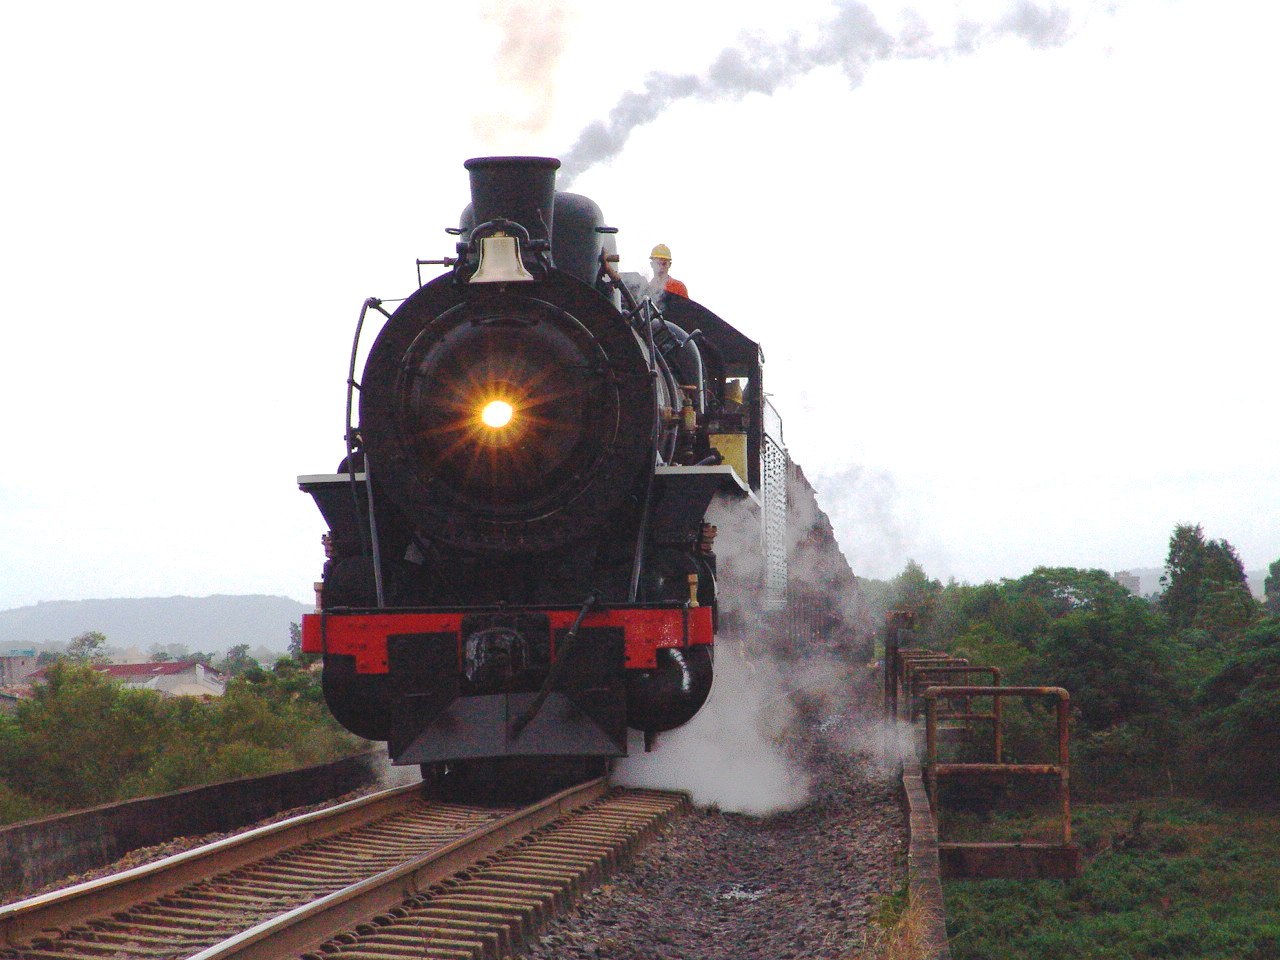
(1014, 268)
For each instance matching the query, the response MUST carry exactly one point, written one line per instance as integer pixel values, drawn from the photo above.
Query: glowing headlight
(497, 413)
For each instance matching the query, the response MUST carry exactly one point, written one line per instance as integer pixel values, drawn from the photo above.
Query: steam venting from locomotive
(532, 38)
(775, 683)
(852, 40)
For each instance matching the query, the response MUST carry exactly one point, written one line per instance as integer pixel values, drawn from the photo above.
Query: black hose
(562, 654)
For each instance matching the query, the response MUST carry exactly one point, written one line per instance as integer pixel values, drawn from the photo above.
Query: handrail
(996, 716)
(368, 543)
(906, 671)
(1061, 770)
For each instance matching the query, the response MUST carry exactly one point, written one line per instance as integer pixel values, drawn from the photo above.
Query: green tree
(1271, 589)
(88, 647)
(295, 647)
(81, 736)
(238, 661)
(1112, 660)
(1116, 662)
(1183, 571)
(1063, 590)
(913, 590)
(1222, 564)
(1205, 585)
(1225, 610)
(83, 739)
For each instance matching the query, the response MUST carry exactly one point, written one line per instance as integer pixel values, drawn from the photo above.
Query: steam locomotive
(522, 535)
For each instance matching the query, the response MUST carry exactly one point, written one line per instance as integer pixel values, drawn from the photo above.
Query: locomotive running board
(683, 495)
(725, 477)
(342, 501)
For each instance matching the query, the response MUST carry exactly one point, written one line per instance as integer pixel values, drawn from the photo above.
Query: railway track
(388, 876)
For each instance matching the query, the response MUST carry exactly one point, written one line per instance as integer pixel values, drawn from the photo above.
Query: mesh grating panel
(774, 489)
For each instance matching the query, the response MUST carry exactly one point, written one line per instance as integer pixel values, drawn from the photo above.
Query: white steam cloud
(778, 681)
(866, 512)
(730, 755)
(532, 38)
(852, 40)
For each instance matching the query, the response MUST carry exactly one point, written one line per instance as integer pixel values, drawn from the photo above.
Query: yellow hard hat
(660, 252)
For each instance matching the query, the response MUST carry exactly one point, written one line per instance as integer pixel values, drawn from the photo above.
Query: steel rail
(306, 927)
(24, 919)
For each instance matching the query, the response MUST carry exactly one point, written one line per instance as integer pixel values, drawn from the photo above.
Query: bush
(14, 806)
(1141, 757)
(83, 740)
(1167, 879)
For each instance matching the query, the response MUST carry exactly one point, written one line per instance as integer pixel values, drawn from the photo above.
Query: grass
(899, 932)
(1163, 878)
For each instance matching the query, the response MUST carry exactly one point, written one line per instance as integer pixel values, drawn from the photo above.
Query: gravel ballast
(798, 884)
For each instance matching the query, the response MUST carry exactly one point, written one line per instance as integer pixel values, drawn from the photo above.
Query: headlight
(497, 414)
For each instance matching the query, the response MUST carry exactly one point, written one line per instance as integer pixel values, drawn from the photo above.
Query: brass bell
(500, 261)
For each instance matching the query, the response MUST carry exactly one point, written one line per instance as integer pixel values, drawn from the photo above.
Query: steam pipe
(680, 349)
(633, 588)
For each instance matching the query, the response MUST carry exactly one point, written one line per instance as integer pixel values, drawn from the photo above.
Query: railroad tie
(236, 897)
(497, 905)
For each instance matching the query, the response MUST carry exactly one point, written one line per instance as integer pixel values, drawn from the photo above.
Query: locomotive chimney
(522, 189)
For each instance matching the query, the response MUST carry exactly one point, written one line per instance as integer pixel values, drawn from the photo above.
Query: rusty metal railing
(923, 676)
(918, 681)
(1004, 859)
(915, 669)
(898, 631)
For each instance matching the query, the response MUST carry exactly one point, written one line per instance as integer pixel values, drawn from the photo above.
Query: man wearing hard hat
(663, 282)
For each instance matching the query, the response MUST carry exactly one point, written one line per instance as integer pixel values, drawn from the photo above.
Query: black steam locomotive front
(507, 408)
(493, 589)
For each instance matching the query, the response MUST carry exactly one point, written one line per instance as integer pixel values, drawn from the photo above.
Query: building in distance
(16, 667)
(173, 678)
(1130, 581)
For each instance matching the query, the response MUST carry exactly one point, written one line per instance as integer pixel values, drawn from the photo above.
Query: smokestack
(522, 189)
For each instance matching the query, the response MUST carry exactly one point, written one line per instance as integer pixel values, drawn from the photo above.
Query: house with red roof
(173, 678)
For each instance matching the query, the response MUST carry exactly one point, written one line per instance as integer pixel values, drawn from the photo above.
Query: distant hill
(1151, 580)
(212, 624)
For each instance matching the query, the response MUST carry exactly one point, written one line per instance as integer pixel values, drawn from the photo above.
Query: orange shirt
(675, 286)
